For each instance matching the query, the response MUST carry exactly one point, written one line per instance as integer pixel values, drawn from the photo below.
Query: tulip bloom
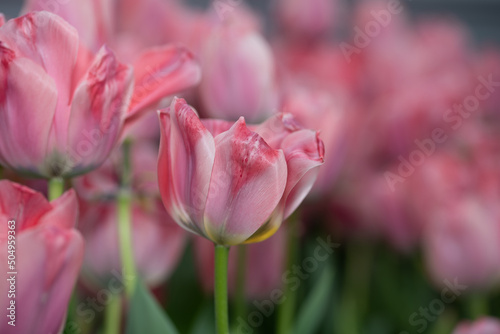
(61, 111)
(238, 73)
(228, 183)
(481, 326)
(48, 255)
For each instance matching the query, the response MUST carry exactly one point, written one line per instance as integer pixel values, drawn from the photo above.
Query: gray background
(481, 16)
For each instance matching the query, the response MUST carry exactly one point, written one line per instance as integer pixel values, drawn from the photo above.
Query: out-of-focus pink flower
(463, 242)
(318, 109)
(2, 19)
(238, 73)
(306, 19)
(48, 255)
(224, 182)
(157, 242)
(266, 257)
(481, 326)
(93, 19)
(58, 117)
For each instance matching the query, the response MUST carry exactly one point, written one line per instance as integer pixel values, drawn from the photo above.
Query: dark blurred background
(482, 16)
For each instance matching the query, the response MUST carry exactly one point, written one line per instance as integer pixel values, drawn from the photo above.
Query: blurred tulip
(463, 242)
(481, 326)
(266, 257)
(307, 19)
(157, 242)
(57, 117)
(2, 19)
(48, 255)
(224, 182)
(238, 73)
(319, 110)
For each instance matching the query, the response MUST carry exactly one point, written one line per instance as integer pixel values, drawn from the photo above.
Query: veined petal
(304, 155)
(13, 197)
(28, 98)
(216, 126)
(185, 164)
(248, 181)
(52, 43)
(161, 72)
(97, 112)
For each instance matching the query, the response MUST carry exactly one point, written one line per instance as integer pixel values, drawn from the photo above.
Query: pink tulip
(2, 19)
(481, 326)
(61, 112)
(306, 19)
(265, 264)
(321, 110)
(463, 241)
(160, 70)
(238, 73)
(48, 255)
(230, 184)
(157, 242)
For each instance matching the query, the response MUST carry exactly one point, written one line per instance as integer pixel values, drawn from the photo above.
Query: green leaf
(145, 315)
(315, 306)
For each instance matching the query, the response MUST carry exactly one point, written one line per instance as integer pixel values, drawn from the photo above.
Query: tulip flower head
(47, 257)
(230, 184)
(61, 110)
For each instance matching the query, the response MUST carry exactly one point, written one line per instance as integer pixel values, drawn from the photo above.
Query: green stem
(220, 289)
(112, 315)
(241, 282)
(356, 287)
(56, 188)
(125, 224)
(287, 308)
(478, 305)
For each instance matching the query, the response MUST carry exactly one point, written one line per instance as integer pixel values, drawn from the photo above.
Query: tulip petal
(216, 126)
(2, 19)
(64, 212)
(28, 98)
(187, 153)
(248, 181)
(97, 112)
(161, 72)
(52, 43)
(304, 154)
(49, 260)
(13, 197)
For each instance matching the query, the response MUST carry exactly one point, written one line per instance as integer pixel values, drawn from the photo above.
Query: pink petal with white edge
(185, 165)
(28, 98)
(97, 112)
(248, 181)
(304, 153)
(161, 72)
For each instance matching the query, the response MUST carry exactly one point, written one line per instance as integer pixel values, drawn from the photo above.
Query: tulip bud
(238, 74)
(228, 183)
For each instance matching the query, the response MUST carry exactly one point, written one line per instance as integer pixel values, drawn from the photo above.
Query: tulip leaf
(146, 315)
(315, 306)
